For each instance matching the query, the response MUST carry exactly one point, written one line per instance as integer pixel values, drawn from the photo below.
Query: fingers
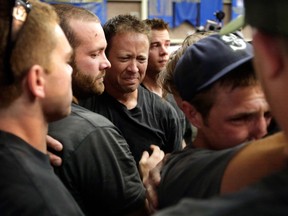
(144, 158)
(150, 172)
(157, 154)
(54, 159)
(144, 165)
(53, 143)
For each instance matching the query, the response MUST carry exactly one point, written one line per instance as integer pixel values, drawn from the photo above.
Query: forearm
(255, 161)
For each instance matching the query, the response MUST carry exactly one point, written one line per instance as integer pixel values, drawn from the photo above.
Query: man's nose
(259, 128)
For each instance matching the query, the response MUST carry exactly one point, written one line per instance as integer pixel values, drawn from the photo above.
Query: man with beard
(98, 167)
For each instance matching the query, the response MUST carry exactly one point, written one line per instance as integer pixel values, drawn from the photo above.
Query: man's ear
(267, 51)
(192, 114)
(36, 81)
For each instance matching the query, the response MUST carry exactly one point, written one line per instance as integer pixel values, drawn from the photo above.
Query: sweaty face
(58, 84)
(158, 52)
(89, 61)
(237, 116)
(128, 56)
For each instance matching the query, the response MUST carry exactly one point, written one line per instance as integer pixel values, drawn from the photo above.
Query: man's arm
(255, 161)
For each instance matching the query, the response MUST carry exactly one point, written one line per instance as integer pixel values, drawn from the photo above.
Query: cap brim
(233, 26)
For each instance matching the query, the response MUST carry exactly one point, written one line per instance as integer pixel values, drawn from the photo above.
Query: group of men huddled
(113, 111)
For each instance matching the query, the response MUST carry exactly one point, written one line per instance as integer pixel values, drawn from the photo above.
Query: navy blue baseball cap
(206, 61)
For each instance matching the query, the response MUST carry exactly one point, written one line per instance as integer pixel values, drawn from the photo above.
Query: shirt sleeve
(105, 173)
(195, 173)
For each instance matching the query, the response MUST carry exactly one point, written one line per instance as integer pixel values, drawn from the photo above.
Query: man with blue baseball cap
(270, 40)
(223, 99)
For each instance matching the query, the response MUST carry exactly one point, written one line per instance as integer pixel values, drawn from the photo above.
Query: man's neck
(200, 141)
(152, 85)
(128, 99)
(26, 123)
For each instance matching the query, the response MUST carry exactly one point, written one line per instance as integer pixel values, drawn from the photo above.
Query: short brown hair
(123, 24)
(157, 24)
(240, 77)
(166, 77)
(34, 45)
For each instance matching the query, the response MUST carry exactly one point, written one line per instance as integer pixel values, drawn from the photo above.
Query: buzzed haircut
(67, 14)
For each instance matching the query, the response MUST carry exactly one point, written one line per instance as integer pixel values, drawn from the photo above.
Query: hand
(57, 146)
(151, 184)
(148, 162)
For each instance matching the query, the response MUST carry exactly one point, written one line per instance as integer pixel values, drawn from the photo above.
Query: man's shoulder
(154, 101)
(92, 119)
(80, 125)
(268, 197)
(200, 156)
(184, 174)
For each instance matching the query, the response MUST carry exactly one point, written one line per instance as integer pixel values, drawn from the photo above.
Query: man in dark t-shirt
(142, 117)
(35, 89)
(98, 167)
(269, 195)
(223, 99)
(152, 121)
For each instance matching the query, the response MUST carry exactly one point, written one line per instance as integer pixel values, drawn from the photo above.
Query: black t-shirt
(152, 121)
(186, 125)
(184, 122)
(193, 172)
(269, 197)
(98, 167)
(28, 184)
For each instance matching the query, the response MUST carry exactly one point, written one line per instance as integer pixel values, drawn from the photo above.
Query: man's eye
(94, 55)
(142, 60)
(242, 118)
(154, 45)
(268, 115)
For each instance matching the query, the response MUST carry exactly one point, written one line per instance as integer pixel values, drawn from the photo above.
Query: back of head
(166, 77)
(67, 13)
(32, 45)
(124, 24)
(268, 16)
(157, 24)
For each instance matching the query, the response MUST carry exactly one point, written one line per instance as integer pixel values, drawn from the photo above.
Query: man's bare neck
(128, 99)
(27, 125)
(152, 85)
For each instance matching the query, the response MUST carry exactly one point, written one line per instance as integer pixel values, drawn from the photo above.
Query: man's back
(28, 184)
(98, 168)
(193, 172)
(268, 197)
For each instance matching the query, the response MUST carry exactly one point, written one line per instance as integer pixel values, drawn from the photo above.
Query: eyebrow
(248, 113)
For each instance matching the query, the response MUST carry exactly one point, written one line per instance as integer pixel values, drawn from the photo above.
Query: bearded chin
(85, 86)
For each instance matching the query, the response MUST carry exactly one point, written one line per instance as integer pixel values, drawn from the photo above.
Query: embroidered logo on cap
(234, 42)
